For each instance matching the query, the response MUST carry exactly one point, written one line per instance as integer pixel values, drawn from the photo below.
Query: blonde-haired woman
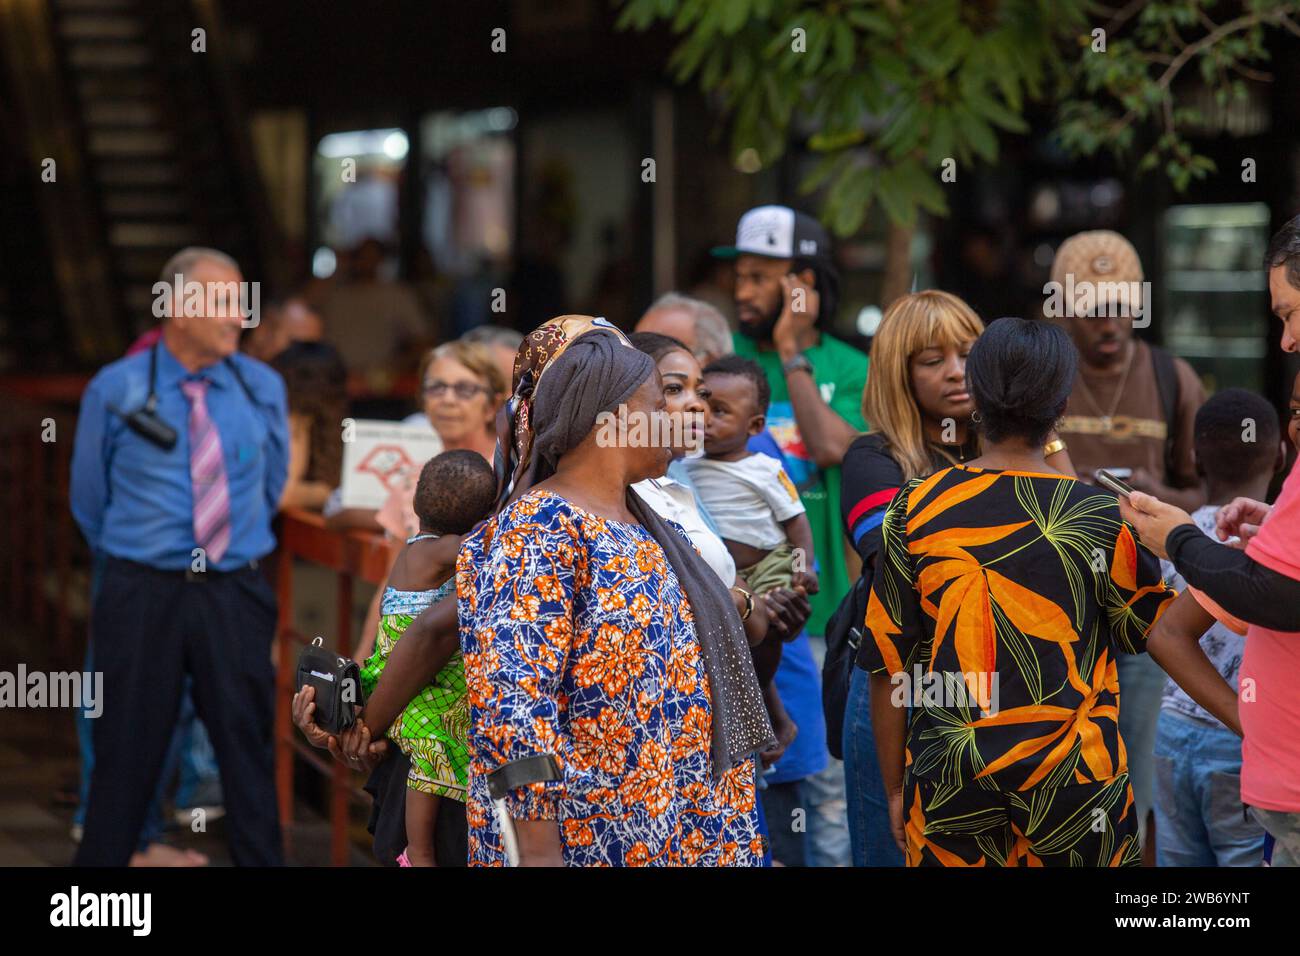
(916, 398)
(460, 390)
(919, 410)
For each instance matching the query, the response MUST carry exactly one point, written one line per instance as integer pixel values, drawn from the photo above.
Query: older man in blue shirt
(180, 506)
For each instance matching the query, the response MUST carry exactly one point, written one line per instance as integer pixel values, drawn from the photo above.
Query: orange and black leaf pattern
(1008, 595)
(1085, 825)
(577, 643)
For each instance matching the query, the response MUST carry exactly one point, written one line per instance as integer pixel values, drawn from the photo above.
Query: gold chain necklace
(1107, 418)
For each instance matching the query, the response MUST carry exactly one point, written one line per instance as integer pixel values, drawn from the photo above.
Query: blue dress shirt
(134, 500)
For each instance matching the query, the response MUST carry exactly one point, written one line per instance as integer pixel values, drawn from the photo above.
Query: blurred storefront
(502, 147)
(1202, 250)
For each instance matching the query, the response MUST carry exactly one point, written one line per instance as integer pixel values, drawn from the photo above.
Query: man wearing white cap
(787, 290)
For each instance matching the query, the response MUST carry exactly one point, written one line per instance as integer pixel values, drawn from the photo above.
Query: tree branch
(1123, 15)
(1211, 38)
(1178, 42)
(1261, 76)
(1232, 26)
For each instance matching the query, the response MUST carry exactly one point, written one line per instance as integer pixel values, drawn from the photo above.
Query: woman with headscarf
(595, 635)
(656, 729)
(674, 498)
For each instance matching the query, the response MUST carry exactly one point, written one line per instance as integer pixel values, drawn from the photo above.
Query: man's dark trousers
(150, 628)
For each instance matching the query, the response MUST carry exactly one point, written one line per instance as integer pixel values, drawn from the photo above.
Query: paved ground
(38, 759)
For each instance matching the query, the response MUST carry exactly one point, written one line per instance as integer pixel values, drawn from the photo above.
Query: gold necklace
(942, 449)
(1107, 418)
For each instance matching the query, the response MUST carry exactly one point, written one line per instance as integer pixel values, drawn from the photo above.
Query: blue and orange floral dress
(579, 642)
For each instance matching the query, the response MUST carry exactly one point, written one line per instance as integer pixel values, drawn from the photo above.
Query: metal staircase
(152, 151)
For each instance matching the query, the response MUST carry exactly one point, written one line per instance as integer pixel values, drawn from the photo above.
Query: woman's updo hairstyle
(1020, 374)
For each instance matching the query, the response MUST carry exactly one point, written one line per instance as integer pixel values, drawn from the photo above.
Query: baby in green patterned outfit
(456, 490)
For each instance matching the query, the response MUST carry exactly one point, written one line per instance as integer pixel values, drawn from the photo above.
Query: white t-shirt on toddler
(747, 499)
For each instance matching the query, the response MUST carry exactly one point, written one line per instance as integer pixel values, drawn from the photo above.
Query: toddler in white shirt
(749, 496)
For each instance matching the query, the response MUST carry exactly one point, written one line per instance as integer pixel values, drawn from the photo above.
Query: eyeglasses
(462, 390)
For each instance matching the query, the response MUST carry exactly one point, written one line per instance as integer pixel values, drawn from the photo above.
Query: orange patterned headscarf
(516, 463)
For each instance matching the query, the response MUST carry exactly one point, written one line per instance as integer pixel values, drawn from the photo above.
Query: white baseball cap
(777, 232)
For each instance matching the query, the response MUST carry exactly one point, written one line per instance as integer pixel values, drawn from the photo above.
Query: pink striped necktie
(207, 475)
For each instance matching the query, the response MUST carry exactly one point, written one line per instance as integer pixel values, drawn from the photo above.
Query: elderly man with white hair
(693, 322)
(180, 456)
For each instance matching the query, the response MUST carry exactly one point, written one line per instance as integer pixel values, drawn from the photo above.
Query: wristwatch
(799, 363)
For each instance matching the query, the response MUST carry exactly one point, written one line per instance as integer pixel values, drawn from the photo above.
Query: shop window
(358, 174)
(1215, 307)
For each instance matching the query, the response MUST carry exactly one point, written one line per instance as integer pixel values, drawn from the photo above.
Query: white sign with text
(382, 456)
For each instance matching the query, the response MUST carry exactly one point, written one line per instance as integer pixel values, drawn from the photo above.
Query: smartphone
(1111, 483)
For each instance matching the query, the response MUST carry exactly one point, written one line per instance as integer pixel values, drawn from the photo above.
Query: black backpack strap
(1167, 385)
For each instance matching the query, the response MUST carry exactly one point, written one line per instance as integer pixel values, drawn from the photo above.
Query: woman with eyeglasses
(460, 388)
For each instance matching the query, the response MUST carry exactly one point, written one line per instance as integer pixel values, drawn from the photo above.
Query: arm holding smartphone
(1233, 580)
(1236, 582)
(1153, 519)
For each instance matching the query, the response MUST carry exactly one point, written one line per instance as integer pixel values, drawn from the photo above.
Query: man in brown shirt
(1133, 405)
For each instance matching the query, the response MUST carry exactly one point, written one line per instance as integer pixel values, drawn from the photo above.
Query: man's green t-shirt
(840, 372)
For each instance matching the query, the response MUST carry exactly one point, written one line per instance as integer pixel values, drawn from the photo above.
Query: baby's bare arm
(425, 565)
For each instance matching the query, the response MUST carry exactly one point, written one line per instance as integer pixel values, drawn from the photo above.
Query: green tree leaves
(892, 89)
(1130, 93)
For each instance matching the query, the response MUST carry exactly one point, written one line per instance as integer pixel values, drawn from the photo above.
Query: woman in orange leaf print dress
(593, 632)
(1003, 593)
